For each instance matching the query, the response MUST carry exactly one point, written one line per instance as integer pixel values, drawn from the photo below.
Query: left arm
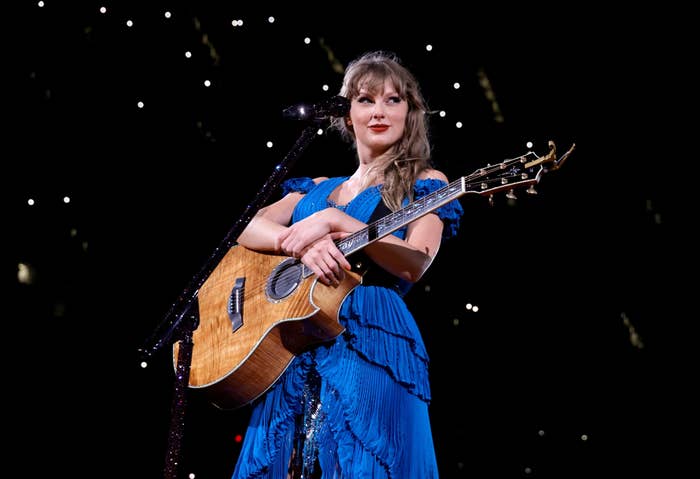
(409, 259)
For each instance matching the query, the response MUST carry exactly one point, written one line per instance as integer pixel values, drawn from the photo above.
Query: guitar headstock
(522, 172)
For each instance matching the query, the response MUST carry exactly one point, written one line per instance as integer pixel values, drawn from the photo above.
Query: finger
(322, 277)
(330, 274)
(340, 258)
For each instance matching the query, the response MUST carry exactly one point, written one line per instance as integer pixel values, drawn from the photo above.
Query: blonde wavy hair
(408, 157)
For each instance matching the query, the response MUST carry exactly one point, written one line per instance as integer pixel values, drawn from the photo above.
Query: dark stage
(137, 147)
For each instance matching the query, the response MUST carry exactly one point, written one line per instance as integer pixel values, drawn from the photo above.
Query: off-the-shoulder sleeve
(297, 185)
(450, 213)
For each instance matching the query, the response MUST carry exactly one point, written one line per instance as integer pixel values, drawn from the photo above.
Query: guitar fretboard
(402, 217)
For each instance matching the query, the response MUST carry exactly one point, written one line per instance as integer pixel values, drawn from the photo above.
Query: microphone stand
(183, 317)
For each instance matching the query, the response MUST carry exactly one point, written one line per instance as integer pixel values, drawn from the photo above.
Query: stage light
(25, 273)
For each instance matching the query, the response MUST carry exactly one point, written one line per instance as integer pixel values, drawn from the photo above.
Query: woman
(357, 406)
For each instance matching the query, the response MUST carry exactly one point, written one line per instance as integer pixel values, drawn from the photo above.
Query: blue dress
(357, 406)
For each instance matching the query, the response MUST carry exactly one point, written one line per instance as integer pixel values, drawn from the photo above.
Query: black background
(562, 279)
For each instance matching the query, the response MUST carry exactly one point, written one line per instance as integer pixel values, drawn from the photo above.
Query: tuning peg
(531, 190)
(511, 195)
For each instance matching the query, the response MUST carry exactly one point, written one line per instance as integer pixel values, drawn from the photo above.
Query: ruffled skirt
(356, 407)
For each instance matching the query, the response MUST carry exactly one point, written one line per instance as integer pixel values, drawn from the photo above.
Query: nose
(378, 111)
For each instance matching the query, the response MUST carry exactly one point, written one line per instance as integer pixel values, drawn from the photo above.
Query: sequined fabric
(308, 429)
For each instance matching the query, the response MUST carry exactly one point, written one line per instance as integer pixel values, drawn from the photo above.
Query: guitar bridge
(235, 304)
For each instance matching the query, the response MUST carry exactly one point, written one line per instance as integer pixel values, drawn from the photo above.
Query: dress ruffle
(376, 329)
(299, 185)
(450, 213)
(272, 426)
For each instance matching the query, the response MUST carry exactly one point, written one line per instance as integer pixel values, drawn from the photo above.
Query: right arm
(263, 231)
(267, 230)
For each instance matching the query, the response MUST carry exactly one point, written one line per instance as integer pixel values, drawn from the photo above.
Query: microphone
(335, 106)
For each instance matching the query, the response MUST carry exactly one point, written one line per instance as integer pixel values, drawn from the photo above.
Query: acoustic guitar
(257, 311)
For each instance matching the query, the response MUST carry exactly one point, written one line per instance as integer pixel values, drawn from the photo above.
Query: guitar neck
(398, 219)
(519, 172)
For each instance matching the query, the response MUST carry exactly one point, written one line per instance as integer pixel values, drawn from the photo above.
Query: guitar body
(236, 364)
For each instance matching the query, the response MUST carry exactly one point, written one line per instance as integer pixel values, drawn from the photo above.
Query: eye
(394, 99)
(364, 99)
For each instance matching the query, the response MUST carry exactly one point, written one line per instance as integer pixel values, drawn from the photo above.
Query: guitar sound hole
(284, 279)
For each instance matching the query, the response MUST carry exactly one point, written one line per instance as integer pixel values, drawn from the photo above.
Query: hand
(326, 260)
(298, 237)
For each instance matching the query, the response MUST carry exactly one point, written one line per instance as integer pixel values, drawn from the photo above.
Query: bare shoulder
(430, 173)
(319, 179)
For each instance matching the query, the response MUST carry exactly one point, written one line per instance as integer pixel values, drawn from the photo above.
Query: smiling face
(378, 118)
(387, 122)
